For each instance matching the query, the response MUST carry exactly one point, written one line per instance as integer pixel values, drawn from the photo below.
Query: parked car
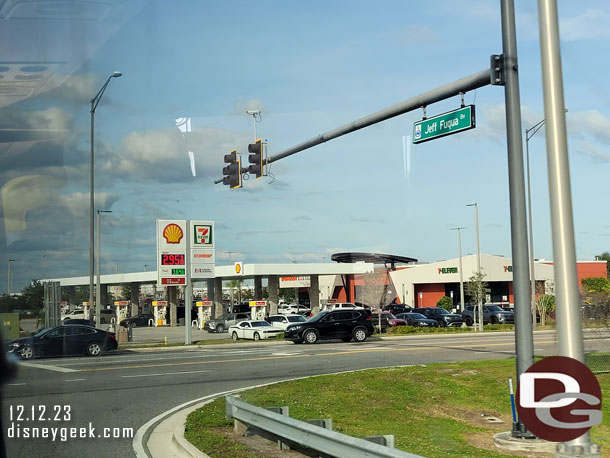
(256, 330)
(282, 321)
(395, 309)
(417, 320)
(79, 321)
(293, 309)
(387, 320)
(73, 339)
(106, 316)
(493, 314)
(342, 306)
(137, 321)
(332, 324)
(223, 323)
(442, 316)
(77, 314)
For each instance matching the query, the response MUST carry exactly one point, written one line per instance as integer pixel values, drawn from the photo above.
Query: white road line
(48, 367)
(75, 380)
(166, 373)
(15, 384)
(284, 354)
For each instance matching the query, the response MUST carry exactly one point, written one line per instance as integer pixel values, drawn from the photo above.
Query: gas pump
(121, 310)
(204, 312)
(159, 312)
(258, 310)
(86, 310)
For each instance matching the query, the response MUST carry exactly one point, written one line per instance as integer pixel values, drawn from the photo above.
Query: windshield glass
(258, 324)
(169, 169)
(417, 316)
(296, 319)
(494, 308)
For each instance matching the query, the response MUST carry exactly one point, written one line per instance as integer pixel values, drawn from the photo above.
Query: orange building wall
(589, 269)
(431, 293)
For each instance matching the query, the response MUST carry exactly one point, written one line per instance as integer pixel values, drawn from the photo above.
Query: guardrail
(307, 434)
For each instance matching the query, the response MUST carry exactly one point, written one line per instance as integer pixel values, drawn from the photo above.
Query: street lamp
(98, 293)
(229, 253)
(480, 314)
(459, 229)
(529, 133)
(94, 102)
(9, 279)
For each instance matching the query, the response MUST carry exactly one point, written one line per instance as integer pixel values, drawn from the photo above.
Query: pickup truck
(493, 314)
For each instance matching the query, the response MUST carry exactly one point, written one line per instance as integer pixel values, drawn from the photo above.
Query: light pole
(479, 280)
(529, 133)
(98, 290)
(94, 102)
(229, 253)
(145, 267)
(459, 231)
(9, 279)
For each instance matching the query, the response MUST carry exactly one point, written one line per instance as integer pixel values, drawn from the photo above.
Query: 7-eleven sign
(203, 234)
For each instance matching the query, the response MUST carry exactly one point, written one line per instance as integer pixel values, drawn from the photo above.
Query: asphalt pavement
(125, 389)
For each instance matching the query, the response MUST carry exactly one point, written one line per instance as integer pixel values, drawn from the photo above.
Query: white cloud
(78, 88)
(594, 152)
(242, 106)
(591, 24)
(162, 155)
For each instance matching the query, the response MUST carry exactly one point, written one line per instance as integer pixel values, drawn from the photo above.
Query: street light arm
(95, 100)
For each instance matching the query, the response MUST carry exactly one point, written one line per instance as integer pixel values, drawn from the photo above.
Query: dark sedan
(417, 320)
(64, 340)
(137, 321)
(442, 316)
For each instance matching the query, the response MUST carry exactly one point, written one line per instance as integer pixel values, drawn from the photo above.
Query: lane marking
(323, 355)
(166, 373)
(15, 384)
(75, 380)
(48, 367)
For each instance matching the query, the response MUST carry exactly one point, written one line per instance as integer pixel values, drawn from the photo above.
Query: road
(126, 389)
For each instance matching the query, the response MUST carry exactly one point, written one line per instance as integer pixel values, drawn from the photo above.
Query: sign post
(444, 124)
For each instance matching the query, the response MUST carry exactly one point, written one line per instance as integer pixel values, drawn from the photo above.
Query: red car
(387, 320)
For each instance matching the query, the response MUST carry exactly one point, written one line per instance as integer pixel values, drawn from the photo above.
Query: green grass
(432, 411)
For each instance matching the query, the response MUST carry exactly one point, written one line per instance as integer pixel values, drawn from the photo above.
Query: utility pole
(480, 304)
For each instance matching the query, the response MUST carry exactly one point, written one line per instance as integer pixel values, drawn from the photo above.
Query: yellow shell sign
(239, 268)
(173, 233)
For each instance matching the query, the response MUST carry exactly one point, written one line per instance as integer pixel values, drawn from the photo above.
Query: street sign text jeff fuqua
(444, 124)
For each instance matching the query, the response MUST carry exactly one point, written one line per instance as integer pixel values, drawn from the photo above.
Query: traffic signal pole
(524, 338)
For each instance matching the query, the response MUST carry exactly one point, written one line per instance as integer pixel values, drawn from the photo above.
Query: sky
(309, 67)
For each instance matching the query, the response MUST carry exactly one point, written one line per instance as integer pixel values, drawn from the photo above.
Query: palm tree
(233, 284)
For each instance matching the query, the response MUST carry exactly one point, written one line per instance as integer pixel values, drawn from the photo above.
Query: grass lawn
(433, 411)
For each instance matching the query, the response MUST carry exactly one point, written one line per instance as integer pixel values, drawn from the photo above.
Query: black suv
(332, 324)
(493, 314)
(442, 316)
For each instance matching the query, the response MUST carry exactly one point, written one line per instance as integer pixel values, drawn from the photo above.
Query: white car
(253, 329)
(291, 309)
(282, 321)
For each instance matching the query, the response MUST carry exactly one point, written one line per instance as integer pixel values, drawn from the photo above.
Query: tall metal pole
(524, 340)
(569, 325)
(91, 209)
(98, 289)
(94, 102)
(188, 290)
(459, 229)
(530, 230)
(480, 304)
(9, 280)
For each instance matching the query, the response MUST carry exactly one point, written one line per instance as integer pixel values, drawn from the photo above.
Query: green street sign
(444, 124)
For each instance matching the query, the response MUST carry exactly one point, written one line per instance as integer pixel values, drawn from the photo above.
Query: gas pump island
(204, 313)
(258, 310)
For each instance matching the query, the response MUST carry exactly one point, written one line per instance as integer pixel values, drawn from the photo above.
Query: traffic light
(256, 158)
(232, 171)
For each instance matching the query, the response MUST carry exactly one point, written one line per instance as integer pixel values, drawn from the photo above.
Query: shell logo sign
(173, 233)
(239, 268)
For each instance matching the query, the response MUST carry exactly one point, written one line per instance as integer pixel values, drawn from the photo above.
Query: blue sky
(310, 67)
